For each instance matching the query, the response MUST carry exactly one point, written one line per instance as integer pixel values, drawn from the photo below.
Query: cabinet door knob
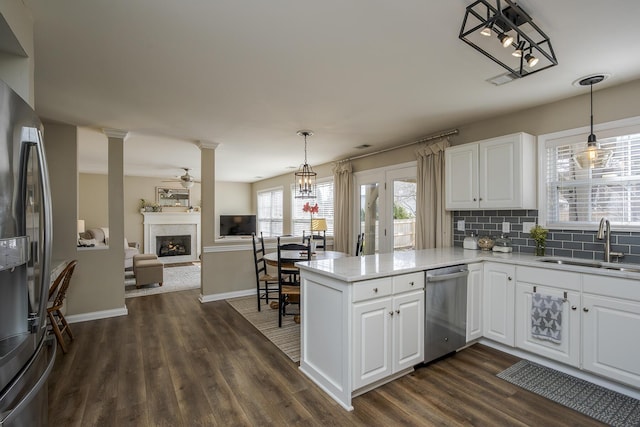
(475, 200)
(375, 290)
(585, 309)
(574, 308)
(397, 311)
(391, 313)
(510, 278)
(480, 198)
(411, 283)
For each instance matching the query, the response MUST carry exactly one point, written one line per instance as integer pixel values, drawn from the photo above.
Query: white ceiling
(248, 74)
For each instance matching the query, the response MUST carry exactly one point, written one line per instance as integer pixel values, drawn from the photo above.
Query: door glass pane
(404, 214)
(369, 216)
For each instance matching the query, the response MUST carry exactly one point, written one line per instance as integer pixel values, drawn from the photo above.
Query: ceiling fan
(185, 180)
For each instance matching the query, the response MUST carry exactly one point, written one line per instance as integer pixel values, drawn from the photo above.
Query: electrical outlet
(506, 227)
(527, 226)
(461, 225)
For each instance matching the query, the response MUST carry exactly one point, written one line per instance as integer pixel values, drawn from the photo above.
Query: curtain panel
(433, 222)
(342, 206)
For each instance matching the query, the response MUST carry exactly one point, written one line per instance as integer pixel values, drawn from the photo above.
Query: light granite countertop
(354, 269)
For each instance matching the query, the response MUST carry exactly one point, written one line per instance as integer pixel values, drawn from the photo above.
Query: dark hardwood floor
(175, 362)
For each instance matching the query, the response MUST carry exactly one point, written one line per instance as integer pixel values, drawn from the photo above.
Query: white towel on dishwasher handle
(546, 317)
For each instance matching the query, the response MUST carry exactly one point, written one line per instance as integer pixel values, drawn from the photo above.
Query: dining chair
(288, 275)
(360, 244)
(320, 239)
(266, 284)
(58, 291)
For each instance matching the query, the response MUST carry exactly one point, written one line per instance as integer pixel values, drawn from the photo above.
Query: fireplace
(167, 246)
(170, 224)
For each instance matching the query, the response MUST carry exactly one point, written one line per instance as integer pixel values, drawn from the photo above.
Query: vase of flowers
(539, 235)
(311, 209)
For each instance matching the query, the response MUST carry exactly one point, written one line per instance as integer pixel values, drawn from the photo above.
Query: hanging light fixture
(305, 185)
(592, 156)
(509, 22)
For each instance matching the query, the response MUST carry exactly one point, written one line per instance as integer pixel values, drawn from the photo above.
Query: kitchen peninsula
(363, 317)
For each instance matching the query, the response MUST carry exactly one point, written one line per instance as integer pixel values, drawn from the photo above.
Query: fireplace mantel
(168, 223)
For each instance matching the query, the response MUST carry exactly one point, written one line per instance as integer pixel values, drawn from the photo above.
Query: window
(575, 197)
(301, 221)
(270, 212)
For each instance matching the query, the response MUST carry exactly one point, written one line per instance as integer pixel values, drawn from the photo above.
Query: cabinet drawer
(615, 287)
(374, 288)
(408, 282)
(548, 277)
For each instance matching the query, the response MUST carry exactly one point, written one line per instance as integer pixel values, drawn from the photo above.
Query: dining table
(292, 257)
(295, 256)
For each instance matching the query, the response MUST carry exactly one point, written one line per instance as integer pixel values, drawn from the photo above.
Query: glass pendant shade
(593, 156)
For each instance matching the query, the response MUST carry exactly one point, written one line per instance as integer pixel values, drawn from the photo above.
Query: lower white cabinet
(560, 284)
(610, 326)
(388, 334)
(498, 301)
(474, 302)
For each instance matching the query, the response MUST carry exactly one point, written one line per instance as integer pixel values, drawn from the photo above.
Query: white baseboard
(95, 315)
(227, 295)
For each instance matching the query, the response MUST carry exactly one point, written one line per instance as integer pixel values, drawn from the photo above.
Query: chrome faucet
(604, 232)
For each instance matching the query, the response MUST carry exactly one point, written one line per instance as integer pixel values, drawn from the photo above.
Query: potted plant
(539, 235)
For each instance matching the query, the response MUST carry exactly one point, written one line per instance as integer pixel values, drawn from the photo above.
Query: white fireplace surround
(172, 224)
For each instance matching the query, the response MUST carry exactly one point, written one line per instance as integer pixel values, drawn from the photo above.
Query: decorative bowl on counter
(486, 243)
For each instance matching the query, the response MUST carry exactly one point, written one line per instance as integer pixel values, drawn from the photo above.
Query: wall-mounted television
(237, 225)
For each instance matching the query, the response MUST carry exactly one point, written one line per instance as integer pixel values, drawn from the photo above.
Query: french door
(385, 208)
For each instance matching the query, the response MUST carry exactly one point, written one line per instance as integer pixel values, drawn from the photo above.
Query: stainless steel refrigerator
(26, 354)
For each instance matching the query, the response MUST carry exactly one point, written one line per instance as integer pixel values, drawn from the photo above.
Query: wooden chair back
(360, 244)
(288, 275)
(61, 285)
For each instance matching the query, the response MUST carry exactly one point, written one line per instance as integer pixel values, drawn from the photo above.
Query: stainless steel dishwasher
(445, 311)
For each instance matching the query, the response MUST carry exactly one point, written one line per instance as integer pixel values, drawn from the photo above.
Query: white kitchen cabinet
(408, 330)
(474, 302)
(372, 341)
(498, 302)
(497, 173)
(561, 284)
(389, 331)
(610, 325)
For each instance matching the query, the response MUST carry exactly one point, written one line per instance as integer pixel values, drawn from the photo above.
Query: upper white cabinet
(497, 173)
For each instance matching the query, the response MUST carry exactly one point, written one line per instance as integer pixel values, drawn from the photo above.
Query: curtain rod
(384, 150)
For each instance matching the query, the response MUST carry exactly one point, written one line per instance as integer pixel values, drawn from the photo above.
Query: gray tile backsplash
(567, 243)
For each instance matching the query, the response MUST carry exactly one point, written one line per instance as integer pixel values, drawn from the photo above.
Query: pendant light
(305, 184)
(592, 156)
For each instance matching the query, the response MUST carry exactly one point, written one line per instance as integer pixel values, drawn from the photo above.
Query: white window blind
(270, 212)
(578, 196)
(302, 220)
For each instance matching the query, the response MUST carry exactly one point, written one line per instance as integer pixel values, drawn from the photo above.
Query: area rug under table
(286, 338)
(604, 405)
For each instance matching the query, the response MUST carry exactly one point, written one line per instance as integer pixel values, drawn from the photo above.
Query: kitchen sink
(585, 263)
(621, 268)
(592, 264)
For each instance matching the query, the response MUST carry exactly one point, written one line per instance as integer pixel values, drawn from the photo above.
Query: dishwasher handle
(440, 278)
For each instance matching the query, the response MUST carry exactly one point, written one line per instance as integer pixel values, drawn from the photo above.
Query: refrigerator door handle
(42, 381)
(32, 139)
